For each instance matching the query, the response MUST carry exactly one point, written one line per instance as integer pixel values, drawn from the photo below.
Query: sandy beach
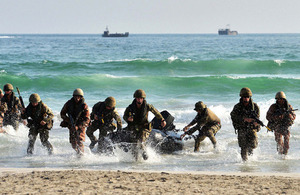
(44, 181)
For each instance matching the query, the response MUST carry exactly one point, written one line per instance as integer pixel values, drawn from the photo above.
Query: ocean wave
(7, 37)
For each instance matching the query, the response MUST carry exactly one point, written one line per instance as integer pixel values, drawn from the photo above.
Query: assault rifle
(75, 132)
(286, 111)
(20, 97)
(256, 119)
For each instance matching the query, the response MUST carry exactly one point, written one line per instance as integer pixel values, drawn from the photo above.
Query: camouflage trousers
(138, 138)
(76, 139)
(103, 132)
(1, 122)
(282, 146)
(207, 131)
(44, 136)
(247, 139)
(12, 119)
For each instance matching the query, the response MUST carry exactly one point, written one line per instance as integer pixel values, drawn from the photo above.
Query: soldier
(102, 115)
(243, 121)
(12, 115)
(40, 121)
(76, 117)
(3, 109)
(136, 115)
(208, 124)
(281, 117)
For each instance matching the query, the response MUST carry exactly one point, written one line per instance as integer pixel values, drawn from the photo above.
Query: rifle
(254, 116)
(75, 132)
(286, 111)
(20, 97)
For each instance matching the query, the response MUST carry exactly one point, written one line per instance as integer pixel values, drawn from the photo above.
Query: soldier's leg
(244, 153)
(252, 142)
(80, 140)
(278, 139)
(44, 136)
(101, 144)
(90, 133)
(286, 142)
(15, 121)
(243, 143)
(32, 137)
(198, 140)
(145, 135)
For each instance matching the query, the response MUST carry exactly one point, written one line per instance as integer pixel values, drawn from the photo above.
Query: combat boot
(92, 145)
(29, 151)
(145, 156)
(244, 154)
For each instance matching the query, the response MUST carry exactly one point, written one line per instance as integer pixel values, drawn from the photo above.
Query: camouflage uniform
(281, 125)
(3, 109)
(140, 126)
(12, 115)
(247, 132)
(34, 116)
(210, 124)
(104, 123)
(81, 117)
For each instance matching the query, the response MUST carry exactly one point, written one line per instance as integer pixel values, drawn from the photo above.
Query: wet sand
(54, 181)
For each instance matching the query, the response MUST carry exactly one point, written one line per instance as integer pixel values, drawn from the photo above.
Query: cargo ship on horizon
(227, 31)
(107, 34)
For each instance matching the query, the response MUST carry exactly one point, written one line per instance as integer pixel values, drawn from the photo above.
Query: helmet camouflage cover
(139, 94)
(8, 87)
(199, 106)
(78, 92)
(110, 102)
(246, 92)
(279, 95)
(34, 98)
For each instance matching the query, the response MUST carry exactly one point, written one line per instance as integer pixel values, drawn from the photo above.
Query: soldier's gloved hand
(163, 123)
(130, 119)
(185, 128)
(182, 136)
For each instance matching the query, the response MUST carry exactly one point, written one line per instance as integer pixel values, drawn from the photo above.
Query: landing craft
(163, 140)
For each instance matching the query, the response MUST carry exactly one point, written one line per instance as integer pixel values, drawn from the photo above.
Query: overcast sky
(149, 16)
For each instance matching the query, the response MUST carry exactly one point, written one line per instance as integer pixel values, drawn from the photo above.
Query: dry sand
(47, 181)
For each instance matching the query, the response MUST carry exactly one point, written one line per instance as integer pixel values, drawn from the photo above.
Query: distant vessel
(227, 31)
(107, 34)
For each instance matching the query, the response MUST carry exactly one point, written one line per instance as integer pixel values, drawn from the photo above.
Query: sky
(148, 16)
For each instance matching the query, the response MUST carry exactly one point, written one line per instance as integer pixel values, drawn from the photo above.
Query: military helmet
(78, 91)
(246, 92)
(34, 98)
(279, 95)
(139, 94)
(8, 87)
(199, 106)
(110, 102)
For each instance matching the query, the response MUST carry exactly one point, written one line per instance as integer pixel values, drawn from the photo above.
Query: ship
(107, 34)
(227, 31)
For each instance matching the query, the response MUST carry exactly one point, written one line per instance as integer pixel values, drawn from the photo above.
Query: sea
(176, 71)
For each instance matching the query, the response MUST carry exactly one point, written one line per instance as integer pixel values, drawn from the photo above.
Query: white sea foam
(7, 37)
(172, 58)
(279, 62)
